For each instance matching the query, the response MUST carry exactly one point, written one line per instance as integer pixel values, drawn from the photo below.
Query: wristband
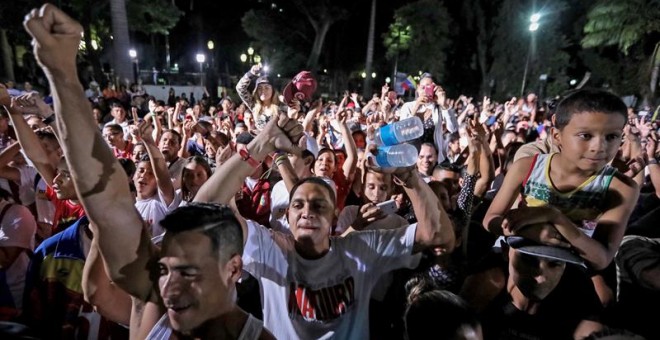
(49, 119)
(653, 161)
(280, 159)
(245, 155)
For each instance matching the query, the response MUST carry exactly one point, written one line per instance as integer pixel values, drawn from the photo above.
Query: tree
(396, 40)
(513, 42)
(625, 24)
(121, 42)
(428, 24)
(11, 33)
(300, 23)
(366, 88)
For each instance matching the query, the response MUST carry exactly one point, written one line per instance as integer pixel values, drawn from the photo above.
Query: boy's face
(590, 140)
(535, 277)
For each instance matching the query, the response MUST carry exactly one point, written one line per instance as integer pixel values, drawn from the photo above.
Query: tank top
(583, 205)
(163, 331)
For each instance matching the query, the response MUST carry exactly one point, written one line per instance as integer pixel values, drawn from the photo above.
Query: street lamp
(133, 54)
(250, 57)
(533, 26)
(201, 58)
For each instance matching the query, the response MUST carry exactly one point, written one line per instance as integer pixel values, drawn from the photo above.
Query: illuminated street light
(132, 53)
(535, 17)
(363, 74)
(257, 58)
(210, 45)
(373, 74)
(201, 58)
(250, 50)
(533, 26)
(136, 71)
(388, 80)
(243, 57)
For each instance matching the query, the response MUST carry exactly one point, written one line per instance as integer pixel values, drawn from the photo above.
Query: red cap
(301, 87)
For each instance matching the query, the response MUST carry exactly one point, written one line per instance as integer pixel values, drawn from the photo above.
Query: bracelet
(279, 159)
(49, 119)
(245, 155)
(653, 161)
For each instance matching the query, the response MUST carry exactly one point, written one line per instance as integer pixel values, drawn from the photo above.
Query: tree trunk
(313, 61)
(366, 87)
(121, 42)
(655, 70)
(7, 62)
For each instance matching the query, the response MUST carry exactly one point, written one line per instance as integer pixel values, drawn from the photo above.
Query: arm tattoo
(101, 153)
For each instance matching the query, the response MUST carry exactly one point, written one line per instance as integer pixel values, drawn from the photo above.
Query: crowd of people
(265, 216)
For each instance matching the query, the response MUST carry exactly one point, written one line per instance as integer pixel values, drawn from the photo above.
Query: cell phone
(388, 207)
(429, 90)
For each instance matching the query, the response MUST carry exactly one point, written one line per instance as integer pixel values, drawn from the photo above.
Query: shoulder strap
(37, 178)
(531, 168)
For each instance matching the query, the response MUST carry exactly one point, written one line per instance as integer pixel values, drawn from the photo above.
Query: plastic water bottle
(399, 132)
(395, 156)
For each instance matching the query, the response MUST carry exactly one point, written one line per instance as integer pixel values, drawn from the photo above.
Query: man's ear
(234, 268)
(555, 135)
(308, 161)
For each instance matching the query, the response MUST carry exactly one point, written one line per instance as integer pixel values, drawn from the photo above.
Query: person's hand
(223, 154)
(421, 100)
(294, 108)
(188, 128)
(256, 69)
(517, 219)
(144, 132)
(441, 97)
(341, 117)
(367, 214)
(644, 127)
(651, 145)
(31, 103)
(281, 133)
(384, 90)
(354, 97)
(544, 233)
(55, 39)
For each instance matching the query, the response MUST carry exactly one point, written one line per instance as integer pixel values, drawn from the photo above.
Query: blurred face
(62, 183)
(138, 152)
(377, 187)
(169, 145)
(310, 216)
(535, 277)
(113, 138)
(455, 147)
(194, 285)
(422, 84)
(4, 124)
(449, 179)
(97, 114)
(591, 139)
(325, 165)
(360, 142)
(52, 149)
(35, 123)
(194, 175)
(119, 114)
(426, 159)
(264, 92)
(144, 180)
(341, 158)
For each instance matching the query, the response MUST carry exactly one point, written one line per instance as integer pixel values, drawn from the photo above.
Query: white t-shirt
(279, 201)
(17, 229)
(327, 297)
(26, 189)
(45, 207)
(153, 210)
(348, 215)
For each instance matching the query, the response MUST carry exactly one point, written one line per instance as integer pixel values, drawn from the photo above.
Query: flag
(403, 83)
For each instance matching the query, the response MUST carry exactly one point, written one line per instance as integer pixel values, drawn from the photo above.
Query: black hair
(453, 137)
(422, 315)
(588, 100)
(174, 132)
(128, 165)
(244, 138)
(430, 145)
(216, 221)
(314, 180)
(46, 133)
(114, 127)
(331, 151)
(185, 191)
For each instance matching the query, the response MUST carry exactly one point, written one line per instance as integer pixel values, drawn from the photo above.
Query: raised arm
(29, 141)
(244, 83)
(6, 156)
(100, 181)
(279, 134)
(351, 150)
(162, 175)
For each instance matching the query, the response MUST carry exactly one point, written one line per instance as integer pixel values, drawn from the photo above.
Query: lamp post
(533, 26)
(250, 58)
(201, 58)
(133, 54)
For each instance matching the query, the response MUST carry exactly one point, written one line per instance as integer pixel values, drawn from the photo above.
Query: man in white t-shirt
(316, 286)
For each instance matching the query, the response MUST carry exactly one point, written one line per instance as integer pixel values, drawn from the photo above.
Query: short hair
(314, 180)
(46, 133)
(114, 127)
(216, 221)
(331, 151)
(588, 100)
(453, 137)
(428, 307)
(173, 132)
(244, 138)
(429, 145)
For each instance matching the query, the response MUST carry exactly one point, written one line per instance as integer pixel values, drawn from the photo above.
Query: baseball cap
(301, 87)
(529, 247)
(262, 80)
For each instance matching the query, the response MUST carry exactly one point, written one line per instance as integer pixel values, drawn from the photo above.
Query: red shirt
(66, 212)
(126, 153)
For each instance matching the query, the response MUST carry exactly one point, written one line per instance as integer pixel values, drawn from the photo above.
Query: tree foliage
(621, 23)
(427, 22)
(397, 38)
(152, 16)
